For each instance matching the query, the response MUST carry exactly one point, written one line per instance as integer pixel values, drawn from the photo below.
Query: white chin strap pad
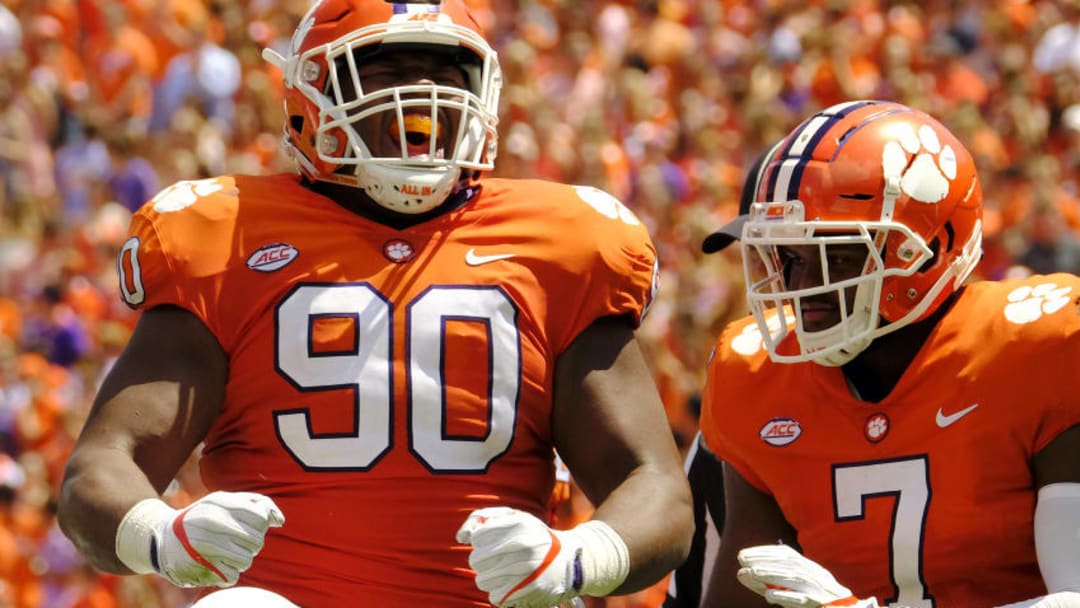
(405, 189)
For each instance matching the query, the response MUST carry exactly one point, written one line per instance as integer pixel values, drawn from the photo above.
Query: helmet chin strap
(842, 352)
(843, 356)
(850, 336)
(404, 189)
(957, 273)
(407, 190)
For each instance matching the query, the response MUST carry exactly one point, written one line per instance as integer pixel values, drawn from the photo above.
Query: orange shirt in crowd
(123, 64)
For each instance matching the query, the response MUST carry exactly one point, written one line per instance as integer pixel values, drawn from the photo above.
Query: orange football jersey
(926, 498)
(384, 383)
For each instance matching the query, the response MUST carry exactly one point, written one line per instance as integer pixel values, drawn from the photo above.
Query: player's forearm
(653, 514)
(99, 487)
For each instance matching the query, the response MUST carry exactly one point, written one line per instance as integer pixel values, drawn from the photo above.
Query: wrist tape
(604, 560)
(137, 534)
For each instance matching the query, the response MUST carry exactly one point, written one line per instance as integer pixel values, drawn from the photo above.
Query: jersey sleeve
(720, 396)
(1056, 350)
(176, 251)
(611, 264)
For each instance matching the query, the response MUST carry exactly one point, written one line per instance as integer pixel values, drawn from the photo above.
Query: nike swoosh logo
(944, 421)
(476, 260)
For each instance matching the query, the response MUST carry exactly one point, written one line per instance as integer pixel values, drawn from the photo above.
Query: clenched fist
(784, 577)
(208, 543)
(519, 561)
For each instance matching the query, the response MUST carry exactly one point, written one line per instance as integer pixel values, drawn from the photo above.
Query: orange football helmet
(325, 99)
(874, 173)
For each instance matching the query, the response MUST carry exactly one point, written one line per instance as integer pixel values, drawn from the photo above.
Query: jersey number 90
(367, 369)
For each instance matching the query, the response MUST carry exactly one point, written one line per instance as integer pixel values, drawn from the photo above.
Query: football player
(380, 354)
(913, 434)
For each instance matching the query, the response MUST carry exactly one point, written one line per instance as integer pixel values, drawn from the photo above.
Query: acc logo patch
(272, 257)
(780, 431)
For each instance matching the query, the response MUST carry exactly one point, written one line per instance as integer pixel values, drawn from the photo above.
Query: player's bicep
(608, 418)
(1057, 514)
(1059, 461)
(610, 427)
(1057, 545)
(160, 397)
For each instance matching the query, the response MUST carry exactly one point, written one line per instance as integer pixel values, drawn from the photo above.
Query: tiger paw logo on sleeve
(1028, 304)
(606, 204)
(749, 342)
(184, 194)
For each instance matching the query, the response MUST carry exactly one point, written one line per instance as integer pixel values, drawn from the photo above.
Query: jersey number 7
(906, 481)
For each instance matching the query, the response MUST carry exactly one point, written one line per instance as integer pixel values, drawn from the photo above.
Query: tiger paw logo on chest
(876, 427)
(399, 251)
(269, 258)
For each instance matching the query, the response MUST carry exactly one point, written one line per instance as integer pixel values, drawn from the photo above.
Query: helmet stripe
(784, 182)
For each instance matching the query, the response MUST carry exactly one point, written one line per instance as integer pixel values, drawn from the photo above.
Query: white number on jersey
(368, 372)
(907, 482)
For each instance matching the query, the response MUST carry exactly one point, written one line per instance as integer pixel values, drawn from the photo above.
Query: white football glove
(519, 561)
(784, 577)
(207, 544)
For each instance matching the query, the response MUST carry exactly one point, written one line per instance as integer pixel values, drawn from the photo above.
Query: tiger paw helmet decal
(930, 174)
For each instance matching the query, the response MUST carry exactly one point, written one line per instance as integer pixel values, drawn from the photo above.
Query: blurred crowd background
(661, 102)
